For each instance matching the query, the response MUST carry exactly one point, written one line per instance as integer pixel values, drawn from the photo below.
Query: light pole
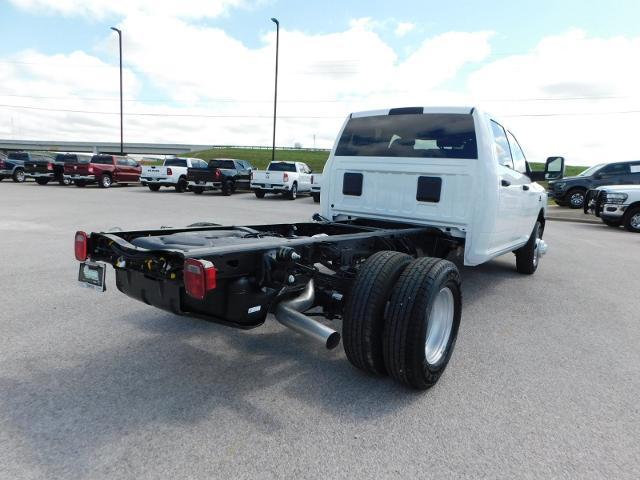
(275, 96)
(121, 119)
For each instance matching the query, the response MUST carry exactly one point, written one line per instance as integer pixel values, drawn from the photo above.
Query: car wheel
(612, 223)
(363, 323)
(632, 220)
(18, 175)
(227, 188)
(259, 193)
(316, 197)
(65, 181)
(181, 186)
(197, 190)
(422, 321)
(575, 197)
(154, 188)
(42, 181)
(528, 256)
(105, 181)
(293, 193)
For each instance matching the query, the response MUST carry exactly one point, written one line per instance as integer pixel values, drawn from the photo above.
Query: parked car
(172, 173)
(456, 187)
(14, 165)
(616, 205)
(225, 174)
(288, 178)
(105, 170)
(53, 170)
(570, 191)
(315, 187)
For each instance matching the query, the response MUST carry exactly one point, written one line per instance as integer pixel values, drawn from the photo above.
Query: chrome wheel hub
(439, 326)
(635, 221)
(577, 199)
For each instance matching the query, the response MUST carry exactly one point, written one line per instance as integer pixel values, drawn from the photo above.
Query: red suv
(105, 170)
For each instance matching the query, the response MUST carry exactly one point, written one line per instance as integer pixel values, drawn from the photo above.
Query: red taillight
(90, 168)
(218, 173)
(285, 177)
(49, 166)
(200, 276)
(169, 171)
(80, 243)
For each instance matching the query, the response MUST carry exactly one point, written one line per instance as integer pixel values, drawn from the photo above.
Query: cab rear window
(281, 167)
(431, 135)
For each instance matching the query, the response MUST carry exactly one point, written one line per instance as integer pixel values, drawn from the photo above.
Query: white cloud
(102, 8)
(403, 28)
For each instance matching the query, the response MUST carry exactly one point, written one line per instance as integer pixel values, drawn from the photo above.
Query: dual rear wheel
(402, 317)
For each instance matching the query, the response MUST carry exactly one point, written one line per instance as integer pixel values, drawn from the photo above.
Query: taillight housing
(2, 165)
(90, 168)
(218, 173)
(169, 171)
(49, 166)
(200, 277)
(81, 246)
(285, 177)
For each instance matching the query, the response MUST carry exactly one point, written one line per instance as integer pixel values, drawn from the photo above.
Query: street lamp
(275, 96)
(121, 121)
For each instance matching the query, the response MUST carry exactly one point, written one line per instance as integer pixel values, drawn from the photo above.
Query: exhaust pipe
(289, 314)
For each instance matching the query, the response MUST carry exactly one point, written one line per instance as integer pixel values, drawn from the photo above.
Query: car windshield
(282, 167)
(222, 164)
(431, 135)
(591, 170)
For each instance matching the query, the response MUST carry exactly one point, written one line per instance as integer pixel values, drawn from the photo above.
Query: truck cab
(457, 168)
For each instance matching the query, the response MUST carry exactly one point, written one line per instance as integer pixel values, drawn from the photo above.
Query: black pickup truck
(53, 169)
(222, 174)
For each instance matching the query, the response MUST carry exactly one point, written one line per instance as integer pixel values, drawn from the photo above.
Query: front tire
(363, 323)
(528, 256)
(575, 198)
(632, 220)
(18, 175)
(422, 322)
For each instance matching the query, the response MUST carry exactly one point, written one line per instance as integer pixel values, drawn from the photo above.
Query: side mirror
(554, 168)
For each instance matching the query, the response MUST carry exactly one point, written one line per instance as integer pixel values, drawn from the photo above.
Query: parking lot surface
(544, 381)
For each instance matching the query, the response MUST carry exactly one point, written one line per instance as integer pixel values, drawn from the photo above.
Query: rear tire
(105, 181)
(363, 323)
(293, 193)
(575, 197)
(18, 175)
(154, 188)
(632, 220)
(181, 186)
(42, 181)
(227, 188)
(422, 322)
(259, 193)
(528, 256)
(316, 197)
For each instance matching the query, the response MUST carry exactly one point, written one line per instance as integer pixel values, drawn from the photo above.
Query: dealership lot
(543, 381)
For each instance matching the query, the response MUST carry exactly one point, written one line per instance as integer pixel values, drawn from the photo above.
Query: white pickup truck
(316, 180)
(288, 178)
(616, 205)
(172, 173)
(404, 192)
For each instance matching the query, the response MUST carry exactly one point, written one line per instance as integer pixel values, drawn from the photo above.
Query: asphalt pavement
(544, 381)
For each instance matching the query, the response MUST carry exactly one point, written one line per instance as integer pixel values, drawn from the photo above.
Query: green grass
(570, 171)
(260, 158)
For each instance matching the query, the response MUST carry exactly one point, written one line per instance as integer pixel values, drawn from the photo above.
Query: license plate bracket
(93, 275)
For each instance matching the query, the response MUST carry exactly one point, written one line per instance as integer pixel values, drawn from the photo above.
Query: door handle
(505, 183)
(525, 187)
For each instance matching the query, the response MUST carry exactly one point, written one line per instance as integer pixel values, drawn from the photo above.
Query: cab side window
(123, 162)
(614, 169)
(502, 145)
(519, 160)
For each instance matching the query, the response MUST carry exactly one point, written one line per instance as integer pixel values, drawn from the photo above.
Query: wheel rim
(577, 199)
(20, 176)
(439, 326)
(536, 247)
(106, 181)
(635, 221)
(294, 191)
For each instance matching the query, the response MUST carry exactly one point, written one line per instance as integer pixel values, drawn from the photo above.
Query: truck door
(122, 173)
(509, 222)
(531, 192)
(304, 179)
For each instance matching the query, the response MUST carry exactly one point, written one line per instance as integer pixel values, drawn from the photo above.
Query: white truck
(404, 192)
(172, 173)
(616, 205)
(288, 178)
(316, 180)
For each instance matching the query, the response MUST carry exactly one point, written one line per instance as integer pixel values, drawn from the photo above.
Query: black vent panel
(429, 189)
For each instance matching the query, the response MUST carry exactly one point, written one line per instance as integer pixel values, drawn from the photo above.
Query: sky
(562, 75)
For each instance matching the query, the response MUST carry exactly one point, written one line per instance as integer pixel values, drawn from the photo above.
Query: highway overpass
(95, 147)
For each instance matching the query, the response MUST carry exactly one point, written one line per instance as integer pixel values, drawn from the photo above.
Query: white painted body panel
(491, 218)
(158, 174)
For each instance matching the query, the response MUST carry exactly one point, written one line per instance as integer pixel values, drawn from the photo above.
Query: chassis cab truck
(404, 193)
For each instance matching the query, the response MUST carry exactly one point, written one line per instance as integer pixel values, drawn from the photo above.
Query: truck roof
(413, 110)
